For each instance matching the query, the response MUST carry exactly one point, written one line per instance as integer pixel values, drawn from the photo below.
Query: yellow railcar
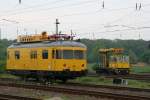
(113, 61)
(48, 59)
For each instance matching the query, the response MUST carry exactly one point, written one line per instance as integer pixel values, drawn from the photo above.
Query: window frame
(78, 56)
(17, 54)
(70, 56)
(45, 54)
(33, 54)
(60, 54)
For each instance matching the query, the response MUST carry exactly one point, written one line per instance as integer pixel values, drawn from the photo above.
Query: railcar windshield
(79, 54)
(70, 54)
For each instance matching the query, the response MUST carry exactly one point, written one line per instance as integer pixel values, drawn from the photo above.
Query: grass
(90, 67)
(139, 84)
(2, 64)
(145, 69)
(3, 75)
(93, 80)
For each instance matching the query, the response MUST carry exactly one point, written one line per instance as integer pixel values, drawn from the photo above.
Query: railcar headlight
(64, 65)
(82, 65)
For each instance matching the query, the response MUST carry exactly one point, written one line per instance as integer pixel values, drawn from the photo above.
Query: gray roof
(48, 44)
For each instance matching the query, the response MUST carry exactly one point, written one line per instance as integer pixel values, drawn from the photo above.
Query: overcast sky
(118, 20)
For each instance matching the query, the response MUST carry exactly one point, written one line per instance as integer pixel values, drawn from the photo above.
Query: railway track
(12, 97)
(115, 93)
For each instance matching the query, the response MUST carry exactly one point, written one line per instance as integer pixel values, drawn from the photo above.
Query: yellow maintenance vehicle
(47, 57)
(113, 61)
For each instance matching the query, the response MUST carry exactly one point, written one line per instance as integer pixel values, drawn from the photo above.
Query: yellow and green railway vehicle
(113, 61)
(47, 59)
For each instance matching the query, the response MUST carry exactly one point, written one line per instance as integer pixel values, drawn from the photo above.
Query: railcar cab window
(33, 54)
(125, 58)
(78, 54)
(17, 54)
(45, 54)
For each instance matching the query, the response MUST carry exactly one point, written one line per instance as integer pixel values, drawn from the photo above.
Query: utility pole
(25, 30)
(103, 5)
(57, 23)
(93, 36)
(138, 6)
(140, 36)
(35, 31)
(20, 1)
(15, 22)
(17, 31)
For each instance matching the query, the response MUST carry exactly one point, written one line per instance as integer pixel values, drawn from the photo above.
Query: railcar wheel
(64, 80)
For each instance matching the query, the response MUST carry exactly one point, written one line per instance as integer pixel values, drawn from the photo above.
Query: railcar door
(53, 60)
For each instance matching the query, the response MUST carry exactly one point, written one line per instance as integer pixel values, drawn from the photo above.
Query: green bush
(2, 66)
(95, 66)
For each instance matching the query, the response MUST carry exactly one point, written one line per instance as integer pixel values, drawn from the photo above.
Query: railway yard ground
(74, 91)
(40, 94)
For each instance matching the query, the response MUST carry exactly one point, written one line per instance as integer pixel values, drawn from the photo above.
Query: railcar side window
(17, 55)
(53, 54)
(33, 54)
(78, 54)
(68, 54)
(45, 54)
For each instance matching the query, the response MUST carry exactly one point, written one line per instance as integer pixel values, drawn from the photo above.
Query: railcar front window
(126, 58)
(78, 54)
(45, 54)
(113, 59)
(17, 55)
(67, 54)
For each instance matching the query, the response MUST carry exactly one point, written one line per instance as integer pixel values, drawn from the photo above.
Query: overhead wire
(50, 8)
(63, 6)
(138, 28)
(97, 11)
(112, 31)
(93, 12)
(34, 6)
(74, 4)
